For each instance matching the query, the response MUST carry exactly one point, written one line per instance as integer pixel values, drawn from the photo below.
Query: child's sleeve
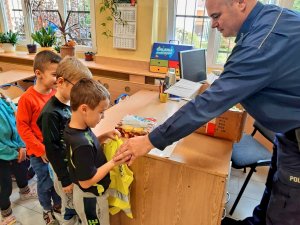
(6, 152)
(50, 127)
(24, 118)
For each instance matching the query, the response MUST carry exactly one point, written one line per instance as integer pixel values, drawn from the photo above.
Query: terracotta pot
(67, 50)
(89, 57)
(132, 2)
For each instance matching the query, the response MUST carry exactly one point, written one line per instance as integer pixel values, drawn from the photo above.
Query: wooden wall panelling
(117, 87)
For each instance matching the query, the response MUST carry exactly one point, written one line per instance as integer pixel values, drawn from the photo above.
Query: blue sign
(166, 51)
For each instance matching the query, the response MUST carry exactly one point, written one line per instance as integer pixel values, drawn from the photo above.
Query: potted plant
(57, 48)
(45, 37)
(111, 6)
(31, 48)
(89, 56)
(9, 41)
(68, 48)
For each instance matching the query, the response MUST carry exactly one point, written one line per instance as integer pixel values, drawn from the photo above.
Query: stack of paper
(184, 88)
(211, 78)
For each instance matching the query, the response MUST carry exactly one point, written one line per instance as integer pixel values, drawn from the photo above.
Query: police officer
(263, 74)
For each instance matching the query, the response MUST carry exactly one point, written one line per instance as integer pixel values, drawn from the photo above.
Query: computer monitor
(192, 64)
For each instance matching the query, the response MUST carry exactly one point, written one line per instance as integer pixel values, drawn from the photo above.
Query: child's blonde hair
(72, 69)
(88, 91)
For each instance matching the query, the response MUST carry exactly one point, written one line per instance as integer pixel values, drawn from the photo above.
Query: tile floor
(30, 212)
(252, 194)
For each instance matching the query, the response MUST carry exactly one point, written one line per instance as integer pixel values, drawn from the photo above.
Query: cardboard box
(229, 125)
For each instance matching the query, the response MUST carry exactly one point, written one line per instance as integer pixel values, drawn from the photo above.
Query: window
(190, 24)
(296, 5)
(13, 15)
(45, 13)
(80, 15)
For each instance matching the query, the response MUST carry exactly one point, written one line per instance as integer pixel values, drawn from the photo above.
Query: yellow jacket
(121, 177)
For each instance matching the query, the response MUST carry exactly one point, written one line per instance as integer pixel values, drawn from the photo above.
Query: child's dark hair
(88, 91)
(43, 58)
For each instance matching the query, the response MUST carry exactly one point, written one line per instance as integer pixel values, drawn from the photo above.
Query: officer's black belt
(294, 135)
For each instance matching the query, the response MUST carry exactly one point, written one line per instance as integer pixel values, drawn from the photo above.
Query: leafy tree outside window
(43, 12)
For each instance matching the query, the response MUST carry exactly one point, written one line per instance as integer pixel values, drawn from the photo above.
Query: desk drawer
(173, 64)
(159, 62)
(158, 69)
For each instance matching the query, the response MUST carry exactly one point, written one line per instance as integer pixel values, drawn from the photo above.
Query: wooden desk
(186, 189)
(12, 76)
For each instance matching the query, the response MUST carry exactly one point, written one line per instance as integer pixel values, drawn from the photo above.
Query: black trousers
(280, 204)
(284, 204)
(7, 168)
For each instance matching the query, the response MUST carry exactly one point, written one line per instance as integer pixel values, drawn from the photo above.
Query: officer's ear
(242, 4)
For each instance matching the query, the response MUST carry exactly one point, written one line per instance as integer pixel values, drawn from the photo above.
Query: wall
(151, 27)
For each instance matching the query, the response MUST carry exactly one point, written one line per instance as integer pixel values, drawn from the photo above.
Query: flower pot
(89, 57)
(40, 49)
(67, 50)
(132, 2)
(8, 47)
(31, 48)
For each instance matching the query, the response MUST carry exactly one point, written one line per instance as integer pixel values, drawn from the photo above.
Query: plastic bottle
(172, 76)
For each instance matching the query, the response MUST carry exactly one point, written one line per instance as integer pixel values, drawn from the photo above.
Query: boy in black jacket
(52, 121)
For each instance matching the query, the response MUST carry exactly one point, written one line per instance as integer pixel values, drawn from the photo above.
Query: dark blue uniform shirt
(262, 73)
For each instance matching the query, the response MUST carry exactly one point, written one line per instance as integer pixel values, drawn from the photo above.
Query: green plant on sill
(111, 6)
(89, 53)
(9, 37)
(57, 48)
(44, 37)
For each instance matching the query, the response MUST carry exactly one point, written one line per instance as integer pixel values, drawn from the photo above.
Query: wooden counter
(118, 75)
(13, 76)
(187, 188)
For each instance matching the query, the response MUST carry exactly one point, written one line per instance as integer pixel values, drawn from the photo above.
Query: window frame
(62, 7)
(213, 40)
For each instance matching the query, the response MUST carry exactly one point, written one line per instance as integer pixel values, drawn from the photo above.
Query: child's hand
(109, 135)
(113, 134)
(68, 189)
(22, 155)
